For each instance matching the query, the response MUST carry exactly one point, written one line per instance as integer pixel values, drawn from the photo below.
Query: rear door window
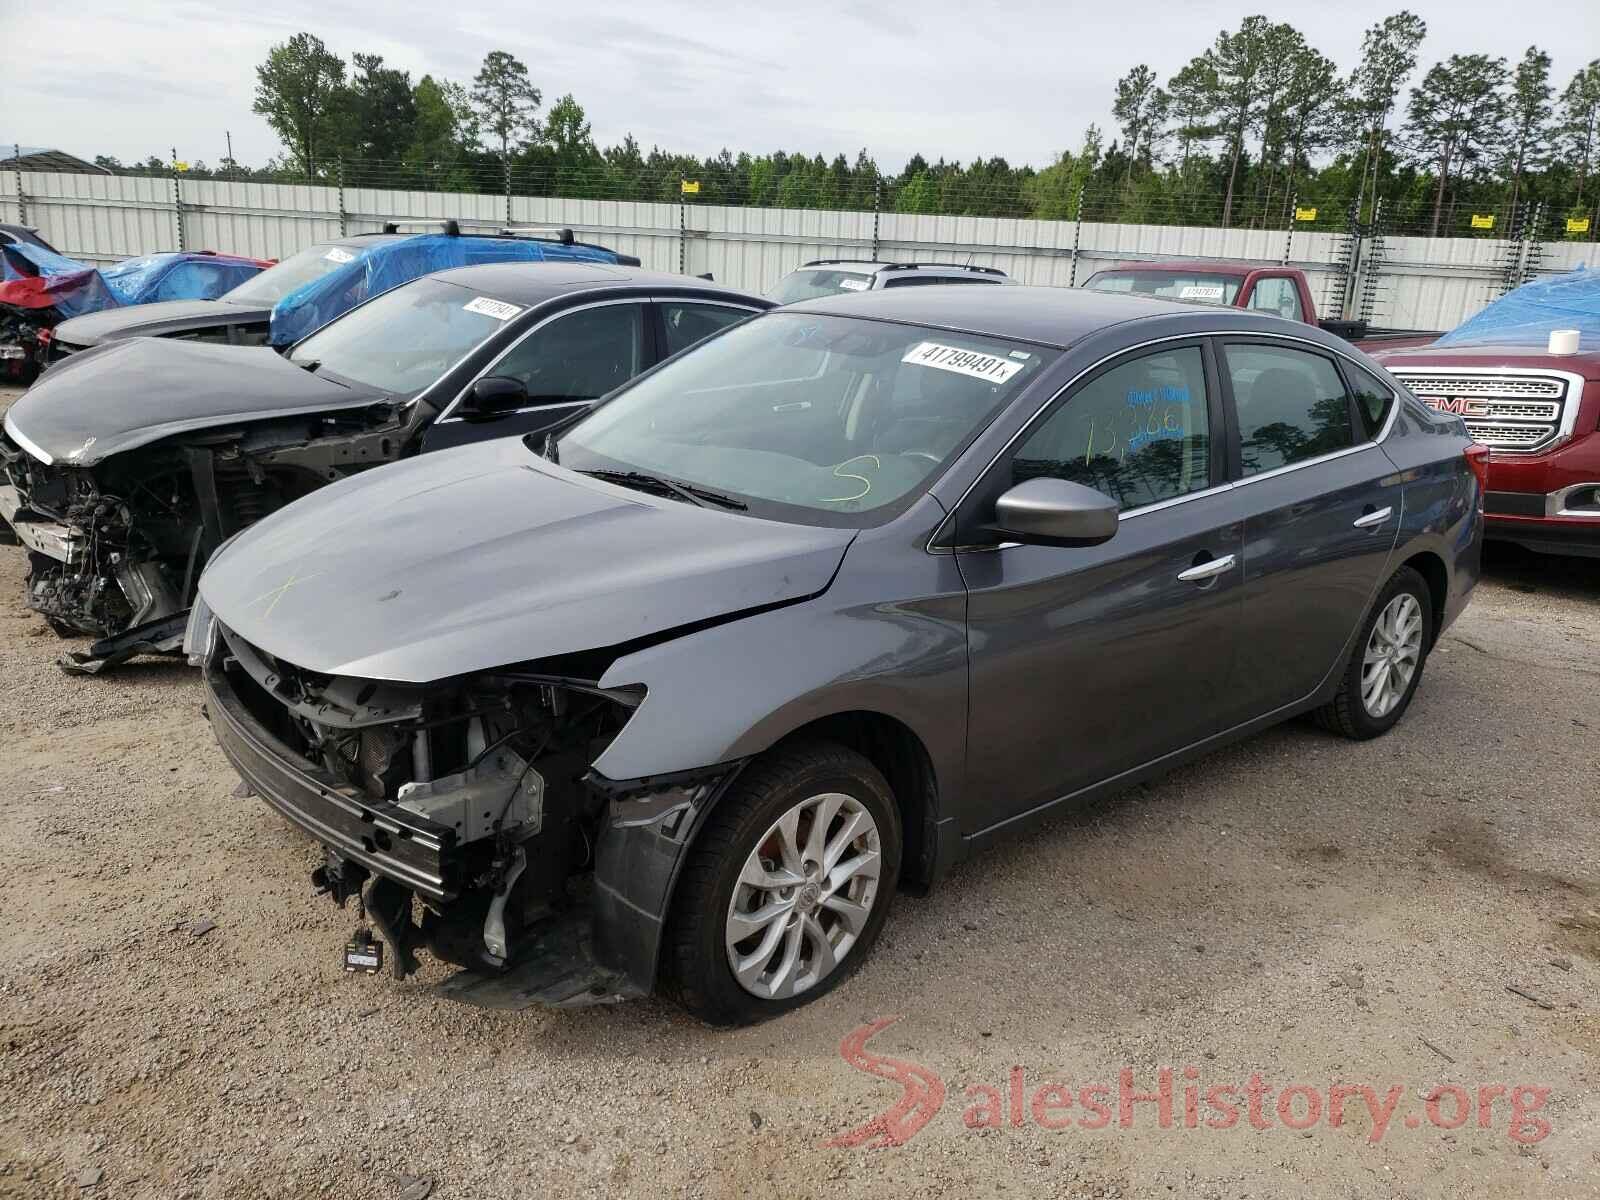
(686, 324)
(1374, 398)
(1139, 432)
(1291, 405)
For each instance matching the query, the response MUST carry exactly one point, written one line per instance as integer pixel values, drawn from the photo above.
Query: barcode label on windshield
(991, 368)
(1201, 291)
(498, 309)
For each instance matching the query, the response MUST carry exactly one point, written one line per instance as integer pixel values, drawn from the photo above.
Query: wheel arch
(1434, 573)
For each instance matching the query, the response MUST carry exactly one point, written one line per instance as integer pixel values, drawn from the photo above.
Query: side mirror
(1054, 512)
(492, 397)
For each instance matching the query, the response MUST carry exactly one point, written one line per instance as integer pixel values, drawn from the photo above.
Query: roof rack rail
(545, 233)
(450, 227)
(912, 266)
(828, 262)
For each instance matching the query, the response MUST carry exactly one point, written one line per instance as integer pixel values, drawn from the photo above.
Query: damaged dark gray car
(679, 696)
(128, 464)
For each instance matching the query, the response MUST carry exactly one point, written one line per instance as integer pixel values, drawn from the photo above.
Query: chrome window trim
(445, 417)
(1571, 399)
(1215, 489)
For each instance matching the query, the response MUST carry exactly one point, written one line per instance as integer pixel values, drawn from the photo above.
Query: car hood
(485, 556)
(122, 395)
(158, 320)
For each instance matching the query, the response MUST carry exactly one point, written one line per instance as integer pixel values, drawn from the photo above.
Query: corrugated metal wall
(1421, 283)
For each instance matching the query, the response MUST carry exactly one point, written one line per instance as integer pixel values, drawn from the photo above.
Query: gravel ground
(175, 1023)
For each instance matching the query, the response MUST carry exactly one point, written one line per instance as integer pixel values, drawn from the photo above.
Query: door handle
(792, 406)
(1372, 518)
(1207, 570)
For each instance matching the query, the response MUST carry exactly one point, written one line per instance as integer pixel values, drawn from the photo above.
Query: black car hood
(159, 320)
(126, 394)
(484, 556)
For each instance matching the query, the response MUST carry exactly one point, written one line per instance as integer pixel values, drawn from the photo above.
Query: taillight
(1477, 457)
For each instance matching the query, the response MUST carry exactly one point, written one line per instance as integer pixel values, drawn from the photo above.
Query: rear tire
(801, 858)
(1386, 661)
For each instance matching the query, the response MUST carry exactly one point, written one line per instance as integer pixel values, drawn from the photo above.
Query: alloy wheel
(804, 896)
(1393, 651)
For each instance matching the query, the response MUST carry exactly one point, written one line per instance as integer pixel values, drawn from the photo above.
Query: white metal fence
(1411, 282)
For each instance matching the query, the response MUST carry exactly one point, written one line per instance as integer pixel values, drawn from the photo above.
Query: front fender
(731, 691)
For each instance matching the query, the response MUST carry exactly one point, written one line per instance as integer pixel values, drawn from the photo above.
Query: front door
(1087, 663)
(1321, 504)
(566, 363)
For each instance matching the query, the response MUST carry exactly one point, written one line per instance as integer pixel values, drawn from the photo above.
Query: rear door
(1089, 662)
(566, 363)
(1321, 504)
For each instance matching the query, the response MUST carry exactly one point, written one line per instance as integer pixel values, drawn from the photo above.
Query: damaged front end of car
(116, 546)
(464, 817)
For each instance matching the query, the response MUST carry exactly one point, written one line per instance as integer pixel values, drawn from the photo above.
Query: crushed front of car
(457, 815)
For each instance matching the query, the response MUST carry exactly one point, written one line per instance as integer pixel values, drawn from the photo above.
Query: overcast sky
(960, 80)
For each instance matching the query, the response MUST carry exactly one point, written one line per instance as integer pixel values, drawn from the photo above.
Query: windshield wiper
(693, 493)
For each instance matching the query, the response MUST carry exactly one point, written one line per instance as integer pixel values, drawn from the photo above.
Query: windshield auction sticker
(854, 285)
(498, 309)
(339, 255)
(990, 368)
(1201, 291)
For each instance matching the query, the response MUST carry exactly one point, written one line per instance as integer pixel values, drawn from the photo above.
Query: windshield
(813, 419)
(809, 284)
(406, 338)
(1169, 285)
(292, 273)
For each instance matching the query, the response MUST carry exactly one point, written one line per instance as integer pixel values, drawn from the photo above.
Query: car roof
(1046, 315)
(531, 283)
(1198, 266)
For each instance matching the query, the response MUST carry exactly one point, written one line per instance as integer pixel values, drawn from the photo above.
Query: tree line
(1257, 127)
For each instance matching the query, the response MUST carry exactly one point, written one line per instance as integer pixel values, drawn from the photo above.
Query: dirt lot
(175, 1023)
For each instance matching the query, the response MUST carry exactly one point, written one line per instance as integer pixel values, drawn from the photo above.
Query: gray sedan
(680, 695)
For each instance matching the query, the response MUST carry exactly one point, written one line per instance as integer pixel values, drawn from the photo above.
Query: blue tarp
(45, 279)
(375, 269)
(177, 277)
(36, 278)
(1526, 316)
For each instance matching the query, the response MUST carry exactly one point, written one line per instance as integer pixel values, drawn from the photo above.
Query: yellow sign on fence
(1577, 224)
(1482, 222)
(691, 187)
(1305, 214)
(180, 165)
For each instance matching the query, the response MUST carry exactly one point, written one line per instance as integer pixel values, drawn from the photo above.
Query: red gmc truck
(1539, 414)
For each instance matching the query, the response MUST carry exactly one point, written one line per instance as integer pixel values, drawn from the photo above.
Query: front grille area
(1515, 413)
(1488, 384)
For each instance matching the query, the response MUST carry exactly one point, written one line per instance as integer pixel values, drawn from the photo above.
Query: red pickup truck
(1539, 414)
(1281, 291)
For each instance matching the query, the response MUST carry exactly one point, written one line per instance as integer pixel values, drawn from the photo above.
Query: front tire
(786, 888)
(1386, 661)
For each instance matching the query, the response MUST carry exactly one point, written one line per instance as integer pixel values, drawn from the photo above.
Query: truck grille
(1513, 411)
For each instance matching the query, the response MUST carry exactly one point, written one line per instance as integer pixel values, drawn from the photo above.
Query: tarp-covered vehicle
(126, 466)
(39, 289)
(307, 290)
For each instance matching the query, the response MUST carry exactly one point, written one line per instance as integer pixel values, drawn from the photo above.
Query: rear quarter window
(1374, 398)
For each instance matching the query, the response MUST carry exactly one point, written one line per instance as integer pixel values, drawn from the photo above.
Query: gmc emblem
(1461, 406)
